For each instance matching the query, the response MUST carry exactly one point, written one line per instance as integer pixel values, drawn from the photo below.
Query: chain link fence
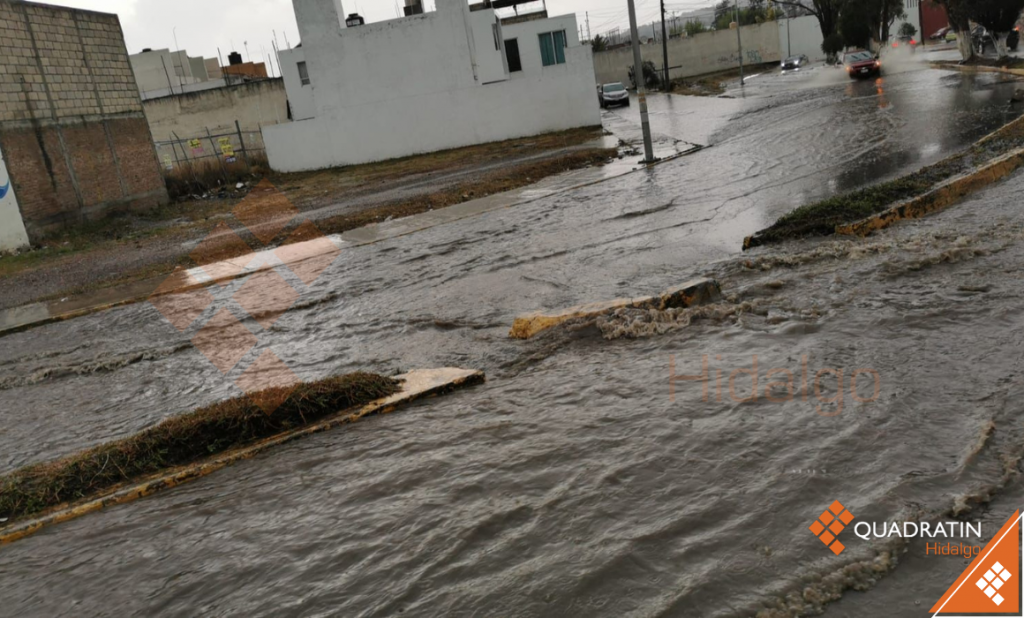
(198, 163)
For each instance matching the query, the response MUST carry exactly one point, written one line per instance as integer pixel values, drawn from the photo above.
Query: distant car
(951, 36)
(613, 94)
(904, 42)
(860, 63)
(940, 34)
(795, 63)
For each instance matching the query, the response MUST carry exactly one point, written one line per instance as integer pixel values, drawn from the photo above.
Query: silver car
(613, 94)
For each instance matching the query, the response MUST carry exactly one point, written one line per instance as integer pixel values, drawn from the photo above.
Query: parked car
(940, 34)
(860, 63)
(795, 63)
(613, 94)
(951, 36)
(981, 39)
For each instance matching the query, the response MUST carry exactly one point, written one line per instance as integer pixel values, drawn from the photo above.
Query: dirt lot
(136, 246)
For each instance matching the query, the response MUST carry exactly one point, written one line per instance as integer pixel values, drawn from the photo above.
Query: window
(552, 48)
(497, 38)
(512, 53)
(303, 73)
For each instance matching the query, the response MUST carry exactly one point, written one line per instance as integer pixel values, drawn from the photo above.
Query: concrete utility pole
(588, 26)
(664, 47)
(739, 40)
(641, 95)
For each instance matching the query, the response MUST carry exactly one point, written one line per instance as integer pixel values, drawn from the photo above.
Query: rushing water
(575, 482)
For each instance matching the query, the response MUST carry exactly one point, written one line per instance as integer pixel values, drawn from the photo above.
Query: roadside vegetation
(821, 218)
(183, 440)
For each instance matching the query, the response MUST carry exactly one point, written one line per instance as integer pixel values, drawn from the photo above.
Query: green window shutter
(559, 47)
(547, 50)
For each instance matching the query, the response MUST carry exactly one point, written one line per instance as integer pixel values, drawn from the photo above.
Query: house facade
(429, 81)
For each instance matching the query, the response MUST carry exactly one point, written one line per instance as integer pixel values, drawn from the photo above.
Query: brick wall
(72, 126)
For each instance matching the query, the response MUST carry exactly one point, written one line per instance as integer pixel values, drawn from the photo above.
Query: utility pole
(664, 48)
(588, 26)
(739, 40)
(641, 95)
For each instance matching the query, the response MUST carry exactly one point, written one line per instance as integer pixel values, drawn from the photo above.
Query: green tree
(832, 45)
(882, 14)
(695, 26)
(908, 29)
(599, 43)
(855, 24)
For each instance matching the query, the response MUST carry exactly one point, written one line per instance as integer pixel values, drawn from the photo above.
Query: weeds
(182, 440)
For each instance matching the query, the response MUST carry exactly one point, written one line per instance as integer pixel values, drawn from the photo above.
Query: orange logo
(991, 583)
(228, 320)
(829, 524)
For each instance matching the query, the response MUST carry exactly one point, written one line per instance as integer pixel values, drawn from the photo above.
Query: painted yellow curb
(416, 385)
(696, 292)
(939, 198)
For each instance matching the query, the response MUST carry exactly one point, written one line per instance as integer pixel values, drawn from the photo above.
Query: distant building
(252, 70)
(452, 77)
(74, 142)
(162, 73)
(161, 70)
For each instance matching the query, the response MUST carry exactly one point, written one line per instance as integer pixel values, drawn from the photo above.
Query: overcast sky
(201, 26)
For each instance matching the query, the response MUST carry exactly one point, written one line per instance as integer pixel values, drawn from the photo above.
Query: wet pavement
(572, 483)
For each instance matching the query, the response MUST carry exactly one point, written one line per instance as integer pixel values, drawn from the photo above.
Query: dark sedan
(860, 63)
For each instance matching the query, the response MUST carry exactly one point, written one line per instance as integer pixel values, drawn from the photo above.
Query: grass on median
(821, 218)
(183, 440)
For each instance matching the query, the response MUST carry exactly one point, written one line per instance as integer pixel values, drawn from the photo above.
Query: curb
(689, 294)
(419, 383)
(939, 198)
(972, 68)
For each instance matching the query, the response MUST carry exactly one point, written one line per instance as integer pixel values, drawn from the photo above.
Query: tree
(882, 15)
(695, 26)
(959, 20)
(599, 43)
(908, 29)
(998, 17)
(832, 45)
(855, 24)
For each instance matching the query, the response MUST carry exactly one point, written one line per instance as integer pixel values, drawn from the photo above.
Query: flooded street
(580, 479)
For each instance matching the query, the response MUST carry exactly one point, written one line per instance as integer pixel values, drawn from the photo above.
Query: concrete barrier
(417, 384)
(692, 293)
(939, 198)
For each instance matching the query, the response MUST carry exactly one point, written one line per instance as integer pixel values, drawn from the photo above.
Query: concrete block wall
(72, 129)
(708, 52)
(253, 104)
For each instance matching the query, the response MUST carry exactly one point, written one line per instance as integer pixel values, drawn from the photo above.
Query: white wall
(801, 35)
(708, 52)
(420, 84)
(12, 229)
(527, 33)
(300, 98)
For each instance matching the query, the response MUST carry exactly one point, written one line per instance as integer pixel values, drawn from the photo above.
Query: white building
(452, 77)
